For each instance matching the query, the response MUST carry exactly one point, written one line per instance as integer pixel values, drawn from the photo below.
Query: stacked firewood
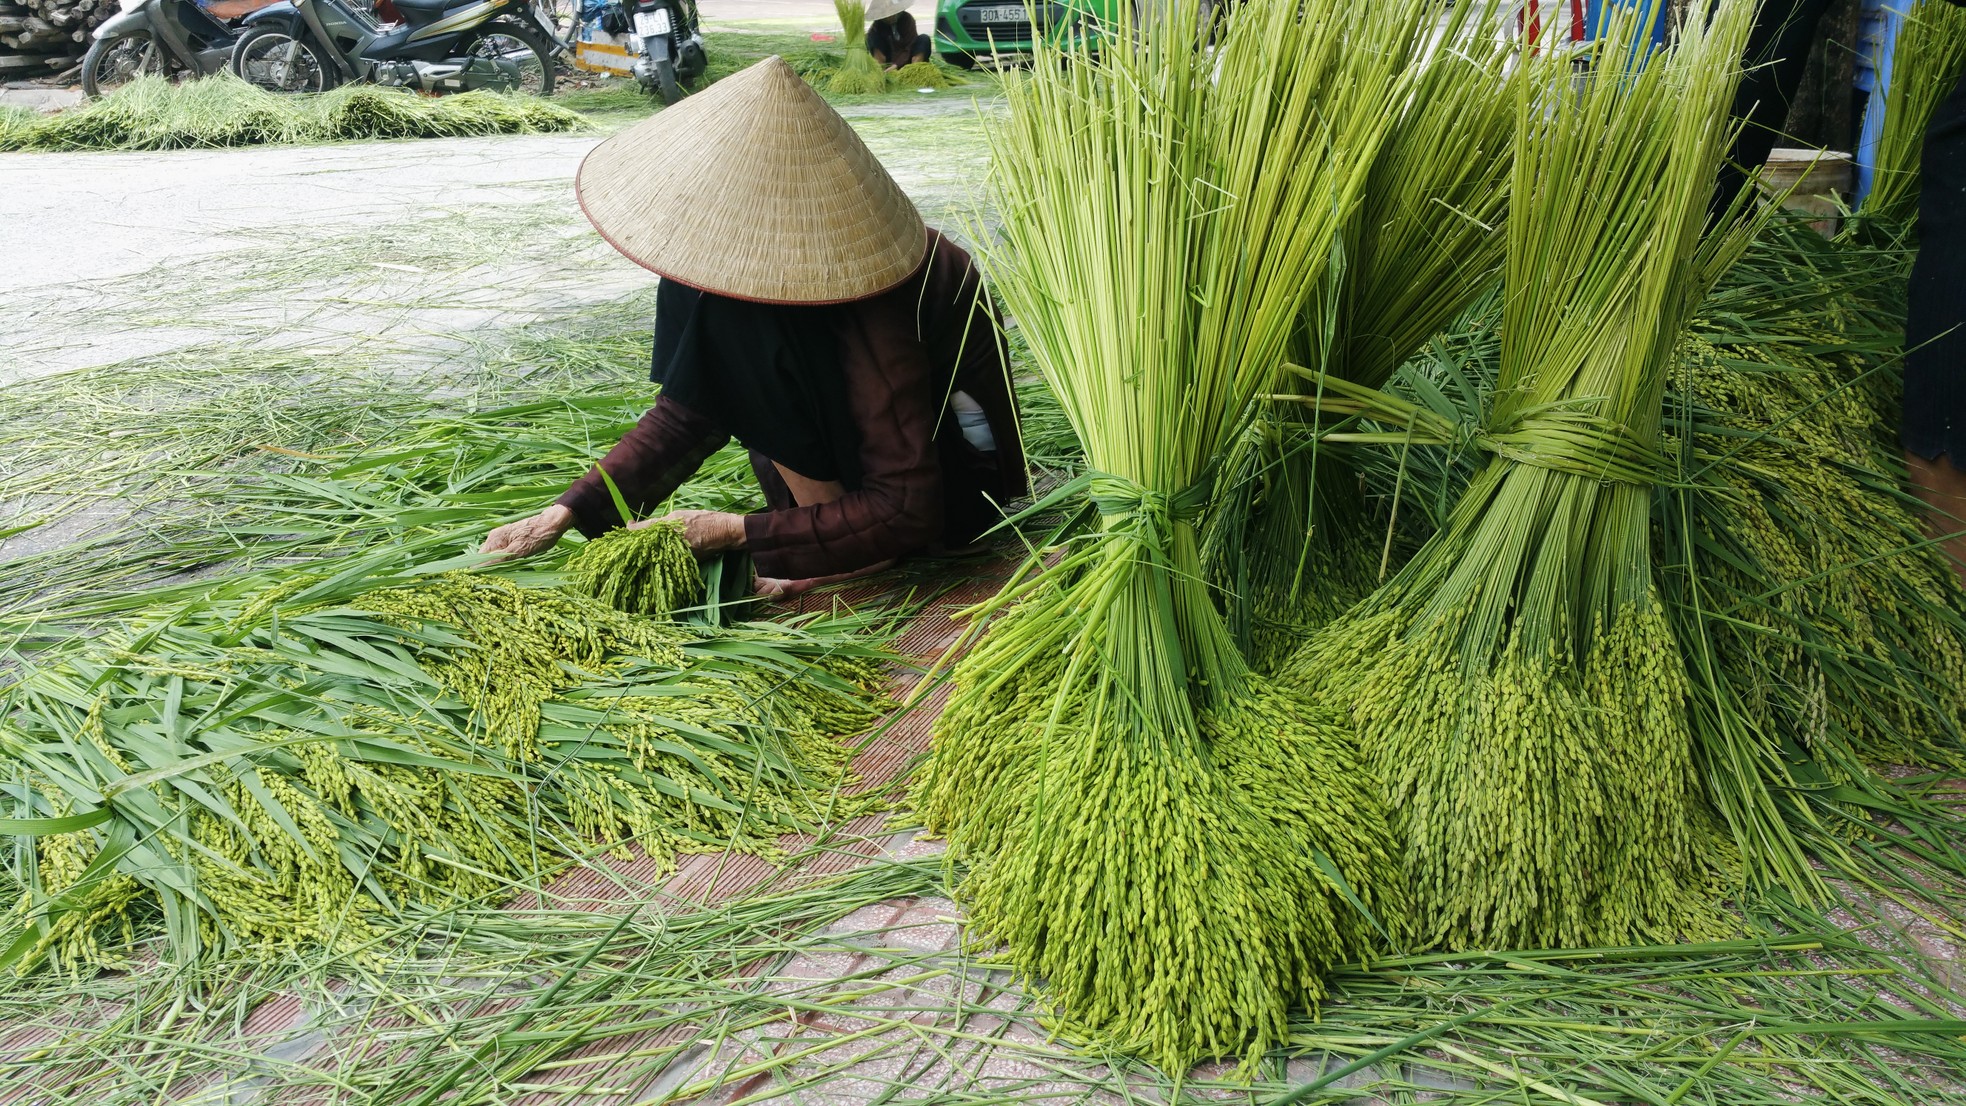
(39, 38)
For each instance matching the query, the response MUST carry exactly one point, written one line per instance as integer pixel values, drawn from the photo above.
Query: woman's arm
(647, 466)
(650, 462)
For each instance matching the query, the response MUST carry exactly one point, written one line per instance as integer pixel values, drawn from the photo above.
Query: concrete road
(117, 255)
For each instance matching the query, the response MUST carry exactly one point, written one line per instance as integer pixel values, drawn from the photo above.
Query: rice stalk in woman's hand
(646, 570)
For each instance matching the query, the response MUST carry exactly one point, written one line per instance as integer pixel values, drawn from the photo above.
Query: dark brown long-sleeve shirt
(902, 354)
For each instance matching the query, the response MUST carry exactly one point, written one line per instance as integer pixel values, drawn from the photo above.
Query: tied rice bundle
(1925, 67)
(1172, 846)
(859, 74)
(295, 776)
(1424, 241)
(1822, 632)
(648, 570)
(1517, 686)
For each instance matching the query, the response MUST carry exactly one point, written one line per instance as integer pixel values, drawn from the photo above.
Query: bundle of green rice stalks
(294, 761)
(858, 74)
(370, 111)
(1517, 687)
(645, 570)
(925, 74)
(1925, 67)
(1822, 632)
(1424, 241)
(1171, 846)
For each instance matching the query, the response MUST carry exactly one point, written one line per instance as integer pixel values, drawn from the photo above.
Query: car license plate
(1008, 13)
(652, 23)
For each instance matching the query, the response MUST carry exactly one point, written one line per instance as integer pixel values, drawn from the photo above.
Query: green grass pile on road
(151, 113)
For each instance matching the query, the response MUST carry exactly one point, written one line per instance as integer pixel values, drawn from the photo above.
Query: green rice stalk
(859, 74)
(1517, 686)
(1926, 65)
(647, 570)
(1130, 797)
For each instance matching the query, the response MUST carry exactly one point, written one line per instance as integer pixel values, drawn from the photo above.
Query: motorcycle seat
(422, 11)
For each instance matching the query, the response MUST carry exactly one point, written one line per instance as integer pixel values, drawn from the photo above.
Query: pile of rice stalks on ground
(151, 113)
(858, 73)
(305, 753)
(323, 734)
(925, 74)
(1130, 797)
(1925, 67)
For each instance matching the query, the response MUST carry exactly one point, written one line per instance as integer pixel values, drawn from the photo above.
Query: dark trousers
(1778, 56)
(1935, 323)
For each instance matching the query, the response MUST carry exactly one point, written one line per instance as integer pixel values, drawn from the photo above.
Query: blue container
(1877, 40)
(1598, 14)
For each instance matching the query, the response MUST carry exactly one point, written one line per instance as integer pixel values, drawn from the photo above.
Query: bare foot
(1943, 488)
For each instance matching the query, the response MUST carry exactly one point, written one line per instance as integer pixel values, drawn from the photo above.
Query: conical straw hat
(754, 188)
(881, 9)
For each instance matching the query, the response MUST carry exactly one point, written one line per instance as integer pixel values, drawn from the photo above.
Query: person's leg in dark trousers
(921, 49)
(1934, 429)
(1777, 56)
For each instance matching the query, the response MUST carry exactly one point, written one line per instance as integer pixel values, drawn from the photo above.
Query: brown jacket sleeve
(650, 462)
(897, 509)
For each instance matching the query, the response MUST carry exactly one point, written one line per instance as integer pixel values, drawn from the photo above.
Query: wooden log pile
(39, 38)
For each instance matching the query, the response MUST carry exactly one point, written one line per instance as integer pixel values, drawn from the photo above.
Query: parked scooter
(165, 38)
(441, 46)
(667, 41)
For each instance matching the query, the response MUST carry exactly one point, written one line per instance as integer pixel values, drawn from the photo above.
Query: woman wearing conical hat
(806, 311)
(891, 34)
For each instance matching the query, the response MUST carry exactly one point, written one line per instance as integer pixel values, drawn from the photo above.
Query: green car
(968, 31)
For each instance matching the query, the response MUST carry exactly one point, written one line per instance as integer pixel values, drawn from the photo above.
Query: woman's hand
(706, 531)
(529, 535)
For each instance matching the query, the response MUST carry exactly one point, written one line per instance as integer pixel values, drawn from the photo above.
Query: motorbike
(439, 46)
(165, 38)
(667, 41)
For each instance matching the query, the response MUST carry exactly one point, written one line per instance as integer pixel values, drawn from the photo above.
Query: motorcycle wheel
(113, 62)
(516, 44)
(272, 58)
(666, 84)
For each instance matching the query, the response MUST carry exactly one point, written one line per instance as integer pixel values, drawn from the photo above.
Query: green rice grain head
(647, 570)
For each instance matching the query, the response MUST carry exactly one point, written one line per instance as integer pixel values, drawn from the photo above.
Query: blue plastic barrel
(1877, 39)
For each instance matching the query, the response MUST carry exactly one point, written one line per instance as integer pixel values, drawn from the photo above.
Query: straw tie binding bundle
(786, 204)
